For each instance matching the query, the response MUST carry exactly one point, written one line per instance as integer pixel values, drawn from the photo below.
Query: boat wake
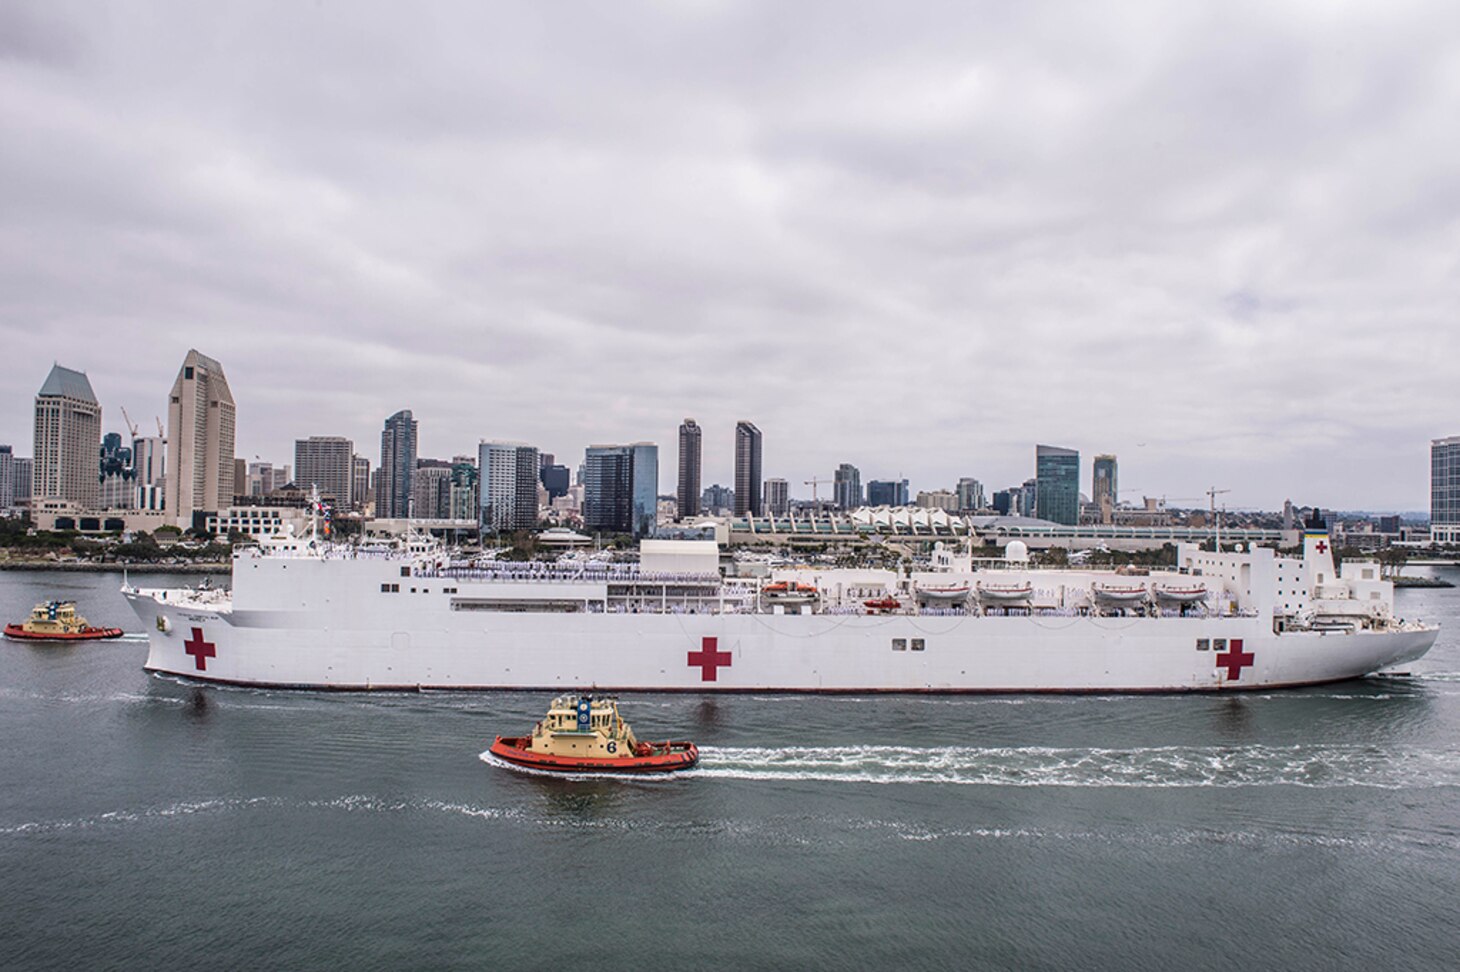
(1162, 766)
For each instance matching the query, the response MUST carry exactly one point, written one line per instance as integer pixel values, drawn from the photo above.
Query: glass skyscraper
(1445, 490)
(1057, 484)
(747, 469)
(621, 488)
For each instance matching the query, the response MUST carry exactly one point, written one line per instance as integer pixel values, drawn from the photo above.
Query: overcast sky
(1219, 240)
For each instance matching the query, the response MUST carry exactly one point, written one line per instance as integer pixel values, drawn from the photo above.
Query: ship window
(395, 588)
(1220, 644)
(1203, 644)
(917, 644)
(405, 572)
(899, 644)
(385, 588)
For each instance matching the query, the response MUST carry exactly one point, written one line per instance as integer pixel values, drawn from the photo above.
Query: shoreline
(89, 568)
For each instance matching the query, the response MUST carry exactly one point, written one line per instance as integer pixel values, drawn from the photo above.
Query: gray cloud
(1219, 240)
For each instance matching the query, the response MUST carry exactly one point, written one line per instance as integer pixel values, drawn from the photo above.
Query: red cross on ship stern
(1235, 660)
(200, 650)
(709, 659)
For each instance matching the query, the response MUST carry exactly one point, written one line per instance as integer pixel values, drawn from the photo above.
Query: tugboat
(58, 621)
(587, 734)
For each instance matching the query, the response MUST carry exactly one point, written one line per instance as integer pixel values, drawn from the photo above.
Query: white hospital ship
(309, 614)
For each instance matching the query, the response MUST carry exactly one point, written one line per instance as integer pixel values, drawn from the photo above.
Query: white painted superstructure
(302, 613)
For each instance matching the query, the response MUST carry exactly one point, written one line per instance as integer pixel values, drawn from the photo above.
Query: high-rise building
(847, 486)
(1003, 502)
(149, 462)
(67, 436)
(1057, 481)
(1445, 490)
(465, 503)
(717, 499)
(397, 467)
(937, 499)
(240, 477)
(777, 497)
(359, 482)
(621, 488)
(747, 469)
(555, 479)
(688, 491)
(431, 489)
(7, 478)
(23, 470)
(970, 494)
(326, 462)
(1104, 490)
(201, 419)
(508, 485)
(887, 493)
(116, 474)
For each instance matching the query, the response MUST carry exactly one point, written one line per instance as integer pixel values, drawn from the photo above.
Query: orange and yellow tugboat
(586, 734)
(58, 621)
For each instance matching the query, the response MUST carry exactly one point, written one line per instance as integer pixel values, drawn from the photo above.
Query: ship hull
(667, 652)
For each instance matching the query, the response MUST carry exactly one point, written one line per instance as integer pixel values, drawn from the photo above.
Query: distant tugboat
(58, 621)
(588, 734)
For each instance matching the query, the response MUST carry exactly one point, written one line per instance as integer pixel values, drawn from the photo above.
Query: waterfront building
(22, 469)
(620, 488)
(688, 491)
(970, 495)
(747, 469)
(326, 462)
(1057, 484)
(1445, 490)
(201, 419)
(555, 479)
(263, 478)
(777, 497)
(116, 474)
(360, 482)
(847, 486)
(508, 485)
(887, 493)
(717, 500)
(67, 436)
(397, 466)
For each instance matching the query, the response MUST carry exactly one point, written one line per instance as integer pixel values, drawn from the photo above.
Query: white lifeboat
(1181, 594)
(1004, 593)
(1119, 594)
(950, 594)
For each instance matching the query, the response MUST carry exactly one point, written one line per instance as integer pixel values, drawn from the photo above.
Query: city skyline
(1222, 255)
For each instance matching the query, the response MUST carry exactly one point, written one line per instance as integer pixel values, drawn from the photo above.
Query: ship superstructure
(304, 613)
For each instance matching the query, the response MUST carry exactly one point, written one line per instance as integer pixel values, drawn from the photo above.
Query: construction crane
(1216, 523)
(813, 482)
(131, 426)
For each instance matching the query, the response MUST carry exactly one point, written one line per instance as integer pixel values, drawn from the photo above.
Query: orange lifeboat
(587, 735)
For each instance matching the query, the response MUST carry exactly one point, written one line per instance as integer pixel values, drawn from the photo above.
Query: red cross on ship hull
(709, 660)
(200, 650)
(1235, 659)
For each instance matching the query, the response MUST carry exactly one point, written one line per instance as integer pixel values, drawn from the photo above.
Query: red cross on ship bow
(1235, 660)
(709, 659)
(200, 650)
(1322, 546)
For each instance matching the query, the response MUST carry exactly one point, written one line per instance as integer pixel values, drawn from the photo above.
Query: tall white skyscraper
(508, 486)
(67, 439)
(200, 430)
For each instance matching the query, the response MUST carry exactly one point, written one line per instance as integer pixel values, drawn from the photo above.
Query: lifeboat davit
(587, 735)
(58, 621)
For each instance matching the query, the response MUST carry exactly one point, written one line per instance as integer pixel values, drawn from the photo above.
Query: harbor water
(151, 823)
